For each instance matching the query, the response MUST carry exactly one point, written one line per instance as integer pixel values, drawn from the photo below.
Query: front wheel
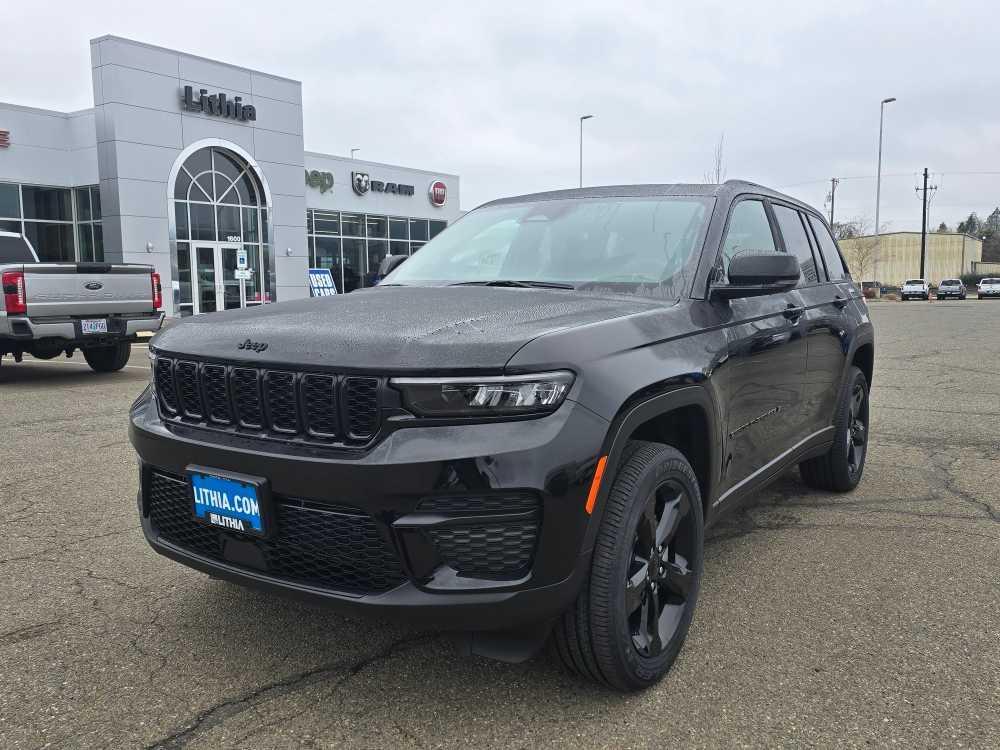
(632, 615)
(109, 358)
(840, 468)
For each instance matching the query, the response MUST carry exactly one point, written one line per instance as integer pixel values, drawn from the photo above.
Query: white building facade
(191, 165)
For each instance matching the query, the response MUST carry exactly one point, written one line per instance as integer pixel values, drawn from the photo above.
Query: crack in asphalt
(28, 632)
(220, 712)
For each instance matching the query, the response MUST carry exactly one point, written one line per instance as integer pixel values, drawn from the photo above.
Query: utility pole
(834, 181)
(923, 230)
(582, 118)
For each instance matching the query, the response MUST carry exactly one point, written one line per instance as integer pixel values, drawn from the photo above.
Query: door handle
(793, 312)
(839, 302)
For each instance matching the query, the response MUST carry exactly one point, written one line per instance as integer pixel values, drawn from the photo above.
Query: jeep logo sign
(438, 193)
(320, 180)
(256, 346)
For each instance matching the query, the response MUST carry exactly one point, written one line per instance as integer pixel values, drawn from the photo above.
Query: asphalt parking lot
(861, 620)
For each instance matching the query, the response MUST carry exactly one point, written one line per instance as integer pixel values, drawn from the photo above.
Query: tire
(606, 635)
(108, 358)
(840, 469)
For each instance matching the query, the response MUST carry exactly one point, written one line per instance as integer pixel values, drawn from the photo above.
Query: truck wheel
(840, 468)
(108, 358)
(632, 615)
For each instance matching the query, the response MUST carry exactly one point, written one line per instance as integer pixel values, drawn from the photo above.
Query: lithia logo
(219, 105)
(362, 183)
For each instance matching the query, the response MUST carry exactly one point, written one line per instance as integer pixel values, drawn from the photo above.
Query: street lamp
(354, 151)
(582, 118)
(878, 183)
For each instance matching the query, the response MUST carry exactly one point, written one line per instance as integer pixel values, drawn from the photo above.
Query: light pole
(354, 151)
(582, 118)
(878, 183)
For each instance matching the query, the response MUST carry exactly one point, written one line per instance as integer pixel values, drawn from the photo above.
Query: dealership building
(195, 166)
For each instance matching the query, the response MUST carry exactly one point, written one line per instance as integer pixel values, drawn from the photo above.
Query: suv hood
(396, 329)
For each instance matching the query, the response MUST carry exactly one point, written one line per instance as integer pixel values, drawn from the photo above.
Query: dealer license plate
(94, 326)
(230, 502)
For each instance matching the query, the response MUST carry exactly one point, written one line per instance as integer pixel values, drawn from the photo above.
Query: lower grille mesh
(496, 548)
(496, 551)
(338, 549)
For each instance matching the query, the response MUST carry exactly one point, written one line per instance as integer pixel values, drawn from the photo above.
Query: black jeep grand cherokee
(525, 429)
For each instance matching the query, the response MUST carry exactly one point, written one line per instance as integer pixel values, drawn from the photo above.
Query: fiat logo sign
(438, 193)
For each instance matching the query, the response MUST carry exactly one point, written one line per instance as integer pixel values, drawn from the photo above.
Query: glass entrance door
(216, 284)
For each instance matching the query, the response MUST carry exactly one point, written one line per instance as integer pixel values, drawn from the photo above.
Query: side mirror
(390, 263)
(757, 275)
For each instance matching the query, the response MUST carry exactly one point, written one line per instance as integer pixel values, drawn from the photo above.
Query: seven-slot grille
(309, 407)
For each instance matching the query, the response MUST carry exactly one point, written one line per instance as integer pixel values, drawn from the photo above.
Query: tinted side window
(14, 250)
(749, 231)
(831, 257)
(797, 242)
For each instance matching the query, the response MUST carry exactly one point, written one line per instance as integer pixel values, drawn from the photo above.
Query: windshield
(636, 245)
(991, 281)
(951, 282)
(916, 282)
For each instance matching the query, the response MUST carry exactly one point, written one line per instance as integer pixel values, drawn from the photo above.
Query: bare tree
(859, 247)
(718, 173)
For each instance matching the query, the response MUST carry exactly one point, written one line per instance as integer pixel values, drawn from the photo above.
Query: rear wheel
(630, 620)
(108, 358)
(840, 468)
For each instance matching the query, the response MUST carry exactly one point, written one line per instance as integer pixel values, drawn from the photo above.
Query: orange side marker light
(595, 486)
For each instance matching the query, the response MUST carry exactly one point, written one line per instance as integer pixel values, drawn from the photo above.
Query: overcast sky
(493, 94)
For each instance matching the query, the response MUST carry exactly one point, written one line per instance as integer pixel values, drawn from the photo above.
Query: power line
(884, 175)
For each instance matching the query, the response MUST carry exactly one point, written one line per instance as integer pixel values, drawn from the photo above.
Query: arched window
(218, 205)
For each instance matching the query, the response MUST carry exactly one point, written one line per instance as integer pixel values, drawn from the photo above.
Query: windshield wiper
(513, 283)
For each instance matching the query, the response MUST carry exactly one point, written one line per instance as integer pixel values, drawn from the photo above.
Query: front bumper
(448, 580)
(990, 293)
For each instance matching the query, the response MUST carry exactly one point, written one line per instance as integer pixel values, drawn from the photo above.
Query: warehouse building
(189, 165)
(894, 257)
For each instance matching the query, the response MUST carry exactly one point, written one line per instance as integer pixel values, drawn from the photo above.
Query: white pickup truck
(48, 309)
(988, 288)
(915, 289)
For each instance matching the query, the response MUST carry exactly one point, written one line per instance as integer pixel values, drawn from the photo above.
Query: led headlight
(489, 396)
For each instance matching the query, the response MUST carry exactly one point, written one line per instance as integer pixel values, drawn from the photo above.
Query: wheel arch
(864, 359)
(685, 419)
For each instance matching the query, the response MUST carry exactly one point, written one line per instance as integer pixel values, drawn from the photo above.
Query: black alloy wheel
(632, 615)
(659, 578)
(857, 430)
(841, 467)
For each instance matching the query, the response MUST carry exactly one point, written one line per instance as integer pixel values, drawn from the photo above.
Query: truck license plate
(94, 326)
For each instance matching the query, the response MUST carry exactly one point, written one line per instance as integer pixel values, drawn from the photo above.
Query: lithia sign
(219, 105)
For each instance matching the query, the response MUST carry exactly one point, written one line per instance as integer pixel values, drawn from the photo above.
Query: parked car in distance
(562, 390)
(989, 288)
(48, 309)
(915, 289)
(951, 288)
